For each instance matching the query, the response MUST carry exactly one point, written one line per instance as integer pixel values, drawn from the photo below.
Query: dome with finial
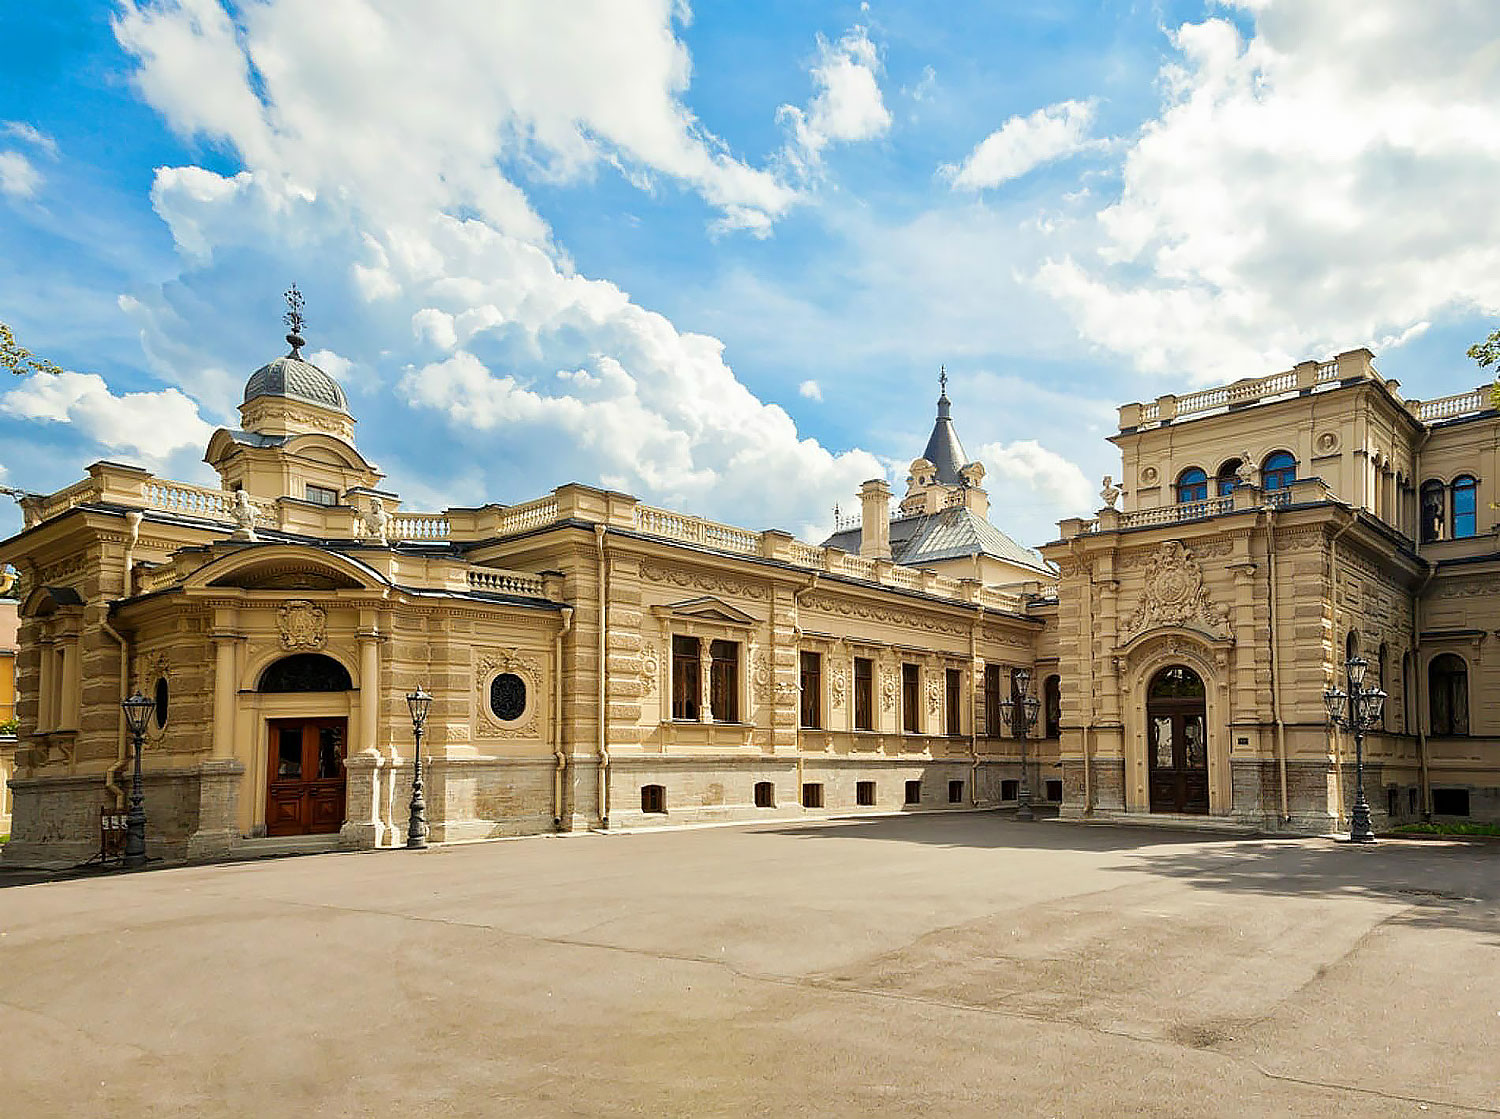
(293, 376)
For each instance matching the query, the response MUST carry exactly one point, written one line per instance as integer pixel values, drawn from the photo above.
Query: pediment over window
(705, 608)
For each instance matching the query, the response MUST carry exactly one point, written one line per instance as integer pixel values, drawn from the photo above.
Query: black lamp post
(1357, 710)
(1020, 709)
(416, 824)
(138, 710)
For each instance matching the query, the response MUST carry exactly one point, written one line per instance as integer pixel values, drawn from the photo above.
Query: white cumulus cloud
(1023, 144)
(152, 424)
(421, 229)
(811, 389)
(848, 104)
(1325, 183)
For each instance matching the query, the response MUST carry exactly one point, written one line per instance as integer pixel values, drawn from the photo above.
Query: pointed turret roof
(944, 450)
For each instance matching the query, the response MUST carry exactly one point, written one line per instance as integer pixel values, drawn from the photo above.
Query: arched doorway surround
(1210, 659)
(305, 756)
(1177, 741)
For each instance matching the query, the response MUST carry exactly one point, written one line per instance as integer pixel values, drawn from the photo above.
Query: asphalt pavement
(948, 965)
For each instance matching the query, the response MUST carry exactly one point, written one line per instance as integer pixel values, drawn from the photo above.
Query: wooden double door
(1178, 741)
(306, 784)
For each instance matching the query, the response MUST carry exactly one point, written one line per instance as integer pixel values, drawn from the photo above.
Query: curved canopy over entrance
(305, 672)
(1177, 741)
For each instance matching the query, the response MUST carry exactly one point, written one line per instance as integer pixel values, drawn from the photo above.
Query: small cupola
(290, 394)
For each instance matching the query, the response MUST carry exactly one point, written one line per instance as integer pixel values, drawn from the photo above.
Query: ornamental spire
(294, 320)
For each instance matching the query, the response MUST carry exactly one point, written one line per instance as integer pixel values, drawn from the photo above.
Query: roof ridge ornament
(294, 320)
(942, 380)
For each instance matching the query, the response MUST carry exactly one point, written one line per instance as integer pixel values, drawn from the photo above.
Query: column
(224, 693)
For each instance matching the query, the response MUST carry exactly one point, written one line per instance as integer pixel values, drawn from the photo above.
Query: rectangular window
(812, 690)
(992, 700)
(1054, 791)
(955, 682)
(812, 795)
(955, 792)
(1010, 790)
(864, 693)
(911, 699)
(914, 792)
(322, 495)
(1450, 802)
(686, 682)
(724, 680)
(653, 798)
(765, 794)
(864, 794)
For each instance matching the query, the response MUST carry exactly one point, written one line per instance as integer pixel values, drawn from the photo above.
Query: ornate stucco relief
(703, 580)
(302, 625)
(1174, 595)
(492, 663)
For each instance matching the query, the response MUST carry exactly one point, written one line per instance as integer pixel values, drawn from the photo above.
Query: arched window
(1433, 513)
(1227, 477)
(1052, 705)
(1351, 646)
(1464, 509)
(1448, 694)
(1278, 471)
(306, 672)
(1192, 485)
(161, 696)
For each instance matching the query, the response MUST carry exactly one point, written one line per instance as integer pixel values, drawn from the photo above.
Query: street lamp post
(138, 709)
(1019, 709)
(416, 824)
(1356, 710)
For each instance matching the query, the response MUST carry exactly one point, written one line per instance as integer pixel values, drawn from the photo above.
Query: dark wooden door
(305, 785)
(1178, 742)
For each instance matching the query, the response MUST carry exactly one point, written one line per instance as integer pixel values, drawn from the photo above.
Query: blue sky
(715, 257)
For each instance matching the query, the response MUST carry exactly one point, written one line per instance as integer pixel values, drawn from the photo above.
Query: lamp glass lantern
(1356, 668)
(419, 702)
(1337, 702)
(138, 712)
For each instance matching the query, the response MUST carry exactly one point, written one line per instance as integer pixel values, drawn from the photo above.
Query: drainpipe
(1333, 569)
(1087, 614)
(602, 743)
(1419, 700)
(973, 723)
(113, 774)
(1270, 511)
(797, 603)
(557, 745)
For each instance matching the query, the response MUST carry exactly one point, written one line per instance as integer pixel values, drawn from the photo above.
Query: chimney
(875, 506)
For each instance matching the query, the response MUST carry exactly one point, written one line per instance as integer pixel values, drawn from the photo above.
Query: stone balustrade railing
(1449, 407)
(126, 486)
(1307, 376)
(419, 527)
(506, 582)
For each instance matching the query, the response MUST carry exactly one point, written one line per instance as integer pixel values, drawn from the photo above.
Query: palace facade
(600, 663)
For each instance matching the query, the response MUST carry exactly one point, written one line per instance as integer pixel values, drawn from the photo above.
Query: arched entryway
(305, 779)
(1177, 741)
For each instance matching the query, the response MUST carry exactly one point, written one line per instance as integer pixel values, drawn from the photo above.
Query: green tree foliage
(18, 359)
(1487, 353)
